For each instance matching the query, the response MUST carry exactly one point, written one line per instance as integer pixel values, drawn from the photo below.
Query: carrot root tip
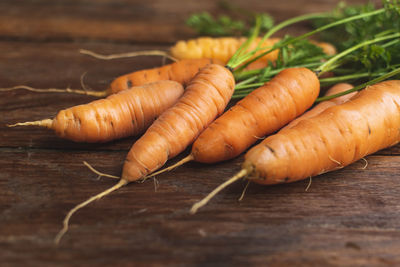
(204, 201)
(62, 232)
(244, 191)
(179, 163)
(56, 90)
(309, 184)
(100, 174)
(365, 165)
(42, 123)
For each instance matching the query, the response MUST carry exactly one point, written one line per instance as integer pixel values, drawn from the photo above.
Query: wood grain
(127, 20)
(349, 217)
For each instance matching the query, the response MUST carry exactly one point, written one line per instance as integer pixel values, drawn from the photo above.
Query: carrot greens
(372, 52)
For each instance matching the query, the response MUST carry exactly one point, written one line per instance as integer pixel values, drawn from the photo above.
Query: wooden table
(350, 217)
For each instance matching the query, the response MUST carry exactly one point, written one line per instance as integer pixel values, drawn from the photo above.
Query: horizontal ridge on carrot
(127, 113)
(337, 137)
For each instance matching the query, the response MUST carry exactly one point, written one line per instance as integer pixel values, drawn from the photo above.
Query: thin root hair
(128, 54)
(62, 232)
(100, 174)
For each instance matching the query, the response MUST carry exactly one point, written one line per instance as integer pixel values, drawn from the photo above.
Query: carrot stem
(60, 234)
(361, 86)
(281, 44)
(293, 21)
(326, 66)
(240, 55)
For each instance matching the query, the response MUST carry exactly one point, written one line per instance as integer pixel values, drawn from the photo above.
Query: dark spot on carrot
(129, 83)
(286, 179)
(112, 124)
(369, 130)
(270, 149)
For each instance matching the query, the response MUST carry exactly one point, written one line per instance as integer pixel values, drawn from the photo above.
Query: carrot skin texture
(337, 137)
(262, 112)
(341, 87)
(120, 115)
(205, 97)
(181, 71)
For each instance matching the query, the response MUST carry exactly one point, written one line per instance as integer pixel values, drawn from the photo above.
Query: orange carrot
(127, 113)
(181, 71)
(337, 137)
(205, 97)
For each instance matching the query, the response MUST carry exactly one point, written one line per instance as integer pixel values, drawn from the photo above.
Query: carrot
(221, 48)
(181, 71)
(205, 97)
(340, 87)
(127, 113)
(335, 138)
(262, 112)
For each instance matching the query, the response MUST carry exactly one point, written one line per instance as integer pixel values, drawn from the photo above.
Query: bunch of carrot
(175, 117)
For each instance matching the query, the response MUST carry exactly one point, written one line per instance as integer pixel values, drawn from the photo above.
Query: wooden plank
(124, 20)
(346, 217)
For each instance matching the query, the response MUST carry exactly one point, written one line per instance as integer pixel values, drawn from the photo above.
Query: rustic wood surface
(349, 217)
